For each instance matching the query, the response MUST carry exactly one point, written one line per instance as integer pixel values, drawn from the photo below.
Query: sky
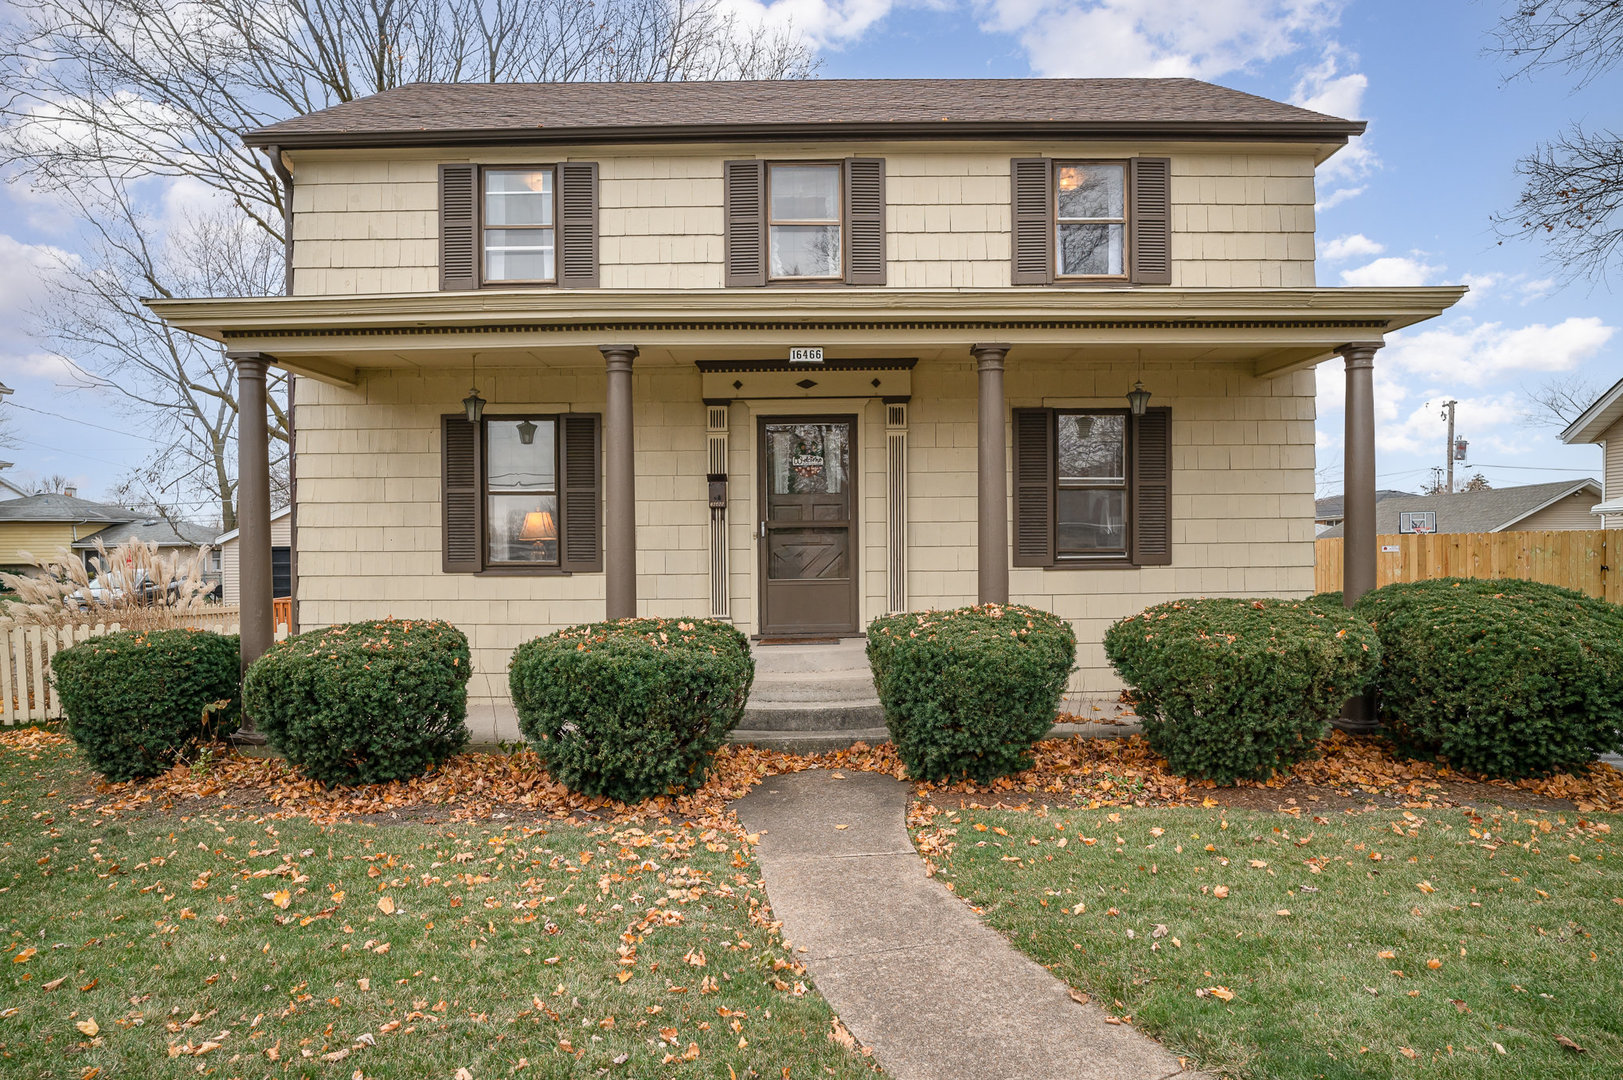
(1409, 203)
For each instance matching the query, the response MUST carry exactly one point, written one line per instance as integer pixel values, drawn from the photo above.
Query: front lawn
(1426, 942)
(154, 943)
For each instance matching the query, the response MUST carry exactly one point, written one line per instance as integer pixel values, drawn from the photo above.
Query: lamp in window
(1138, 398)
(539, 529)
(526, 433)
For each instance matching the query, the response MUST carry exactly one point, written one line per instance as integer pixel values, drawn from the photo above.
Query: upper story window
(1091, 217)
(804, 223)
(517, 226)
(521, 491)
(1091, 496)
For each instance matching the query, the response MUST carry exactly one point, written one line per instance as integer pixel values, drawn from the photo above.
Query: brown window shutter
(580, 492)
(1031, 185)
(459, 227)
(1151, 226)
(1033, 487)
(577, 225)
(865, 221)
(1152, 488)
(459, 495)
(744, 200)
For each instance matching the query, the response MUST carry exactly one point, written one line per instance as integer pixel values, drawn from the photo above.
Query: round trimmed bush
(137, 700)
(634, 708)
(1235, 689)
(1506, 678)
(365, 702)
(969, 692)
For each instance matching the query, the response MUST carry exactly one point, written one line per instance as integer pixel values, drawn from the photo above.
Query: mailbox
(718, 491)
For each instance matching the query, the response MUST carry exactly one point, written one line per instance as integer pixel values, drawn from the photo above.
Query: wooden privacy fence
(1588, 560)
(26, 693)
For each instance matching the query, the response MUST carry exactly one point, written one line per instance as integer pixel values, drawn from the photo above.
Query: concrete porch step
(847, 654)
(848, 687)
(812, 715)
(809, 742)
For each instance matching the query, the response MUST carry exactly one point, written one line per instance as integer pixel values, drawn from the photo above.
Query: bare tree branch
(1583, 38)
(1559, 401)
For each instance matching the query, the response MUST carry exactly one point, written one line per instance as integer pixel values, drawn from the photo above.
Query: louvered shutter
(1031, 189)
(1033, 487)
(744, 202)
(577, 225)
(1152, 488)
(580, 492)
(459, 227)
(1151, 226)
(864, 221)
(459, 495)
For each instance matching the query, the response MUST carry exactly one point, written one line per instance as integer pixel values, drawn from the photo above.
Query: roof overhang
(334, 338)
(1596, 420)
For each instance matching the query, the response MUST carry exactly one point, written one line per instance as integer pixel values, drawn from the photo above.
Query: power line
(87, 423)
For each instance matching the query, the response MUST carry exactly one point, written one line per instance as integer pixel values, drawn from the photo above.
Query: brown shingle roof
(445, 113)
(1472, 511)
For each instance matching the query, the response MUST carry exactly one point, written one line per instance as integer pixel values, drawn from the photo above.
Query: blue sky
(1407, 204)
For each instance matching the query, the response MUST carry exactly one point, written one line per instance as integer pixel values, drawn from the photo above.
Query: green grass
(502, 957)
(1520, 914)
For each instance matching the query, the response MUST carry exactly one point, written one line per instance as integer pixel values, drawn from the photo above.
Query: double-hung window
(804, 224)
(519, 235)
(1090, 498)
(521, 491)
(1091, 218)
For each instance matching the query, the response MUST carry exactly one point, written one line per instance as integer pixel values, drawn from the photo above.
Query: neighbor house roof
(1494, 510)
(1596, 420)
(232, 535)
(151, 531)
(438, 114)
(1330, 507)
(67, 508)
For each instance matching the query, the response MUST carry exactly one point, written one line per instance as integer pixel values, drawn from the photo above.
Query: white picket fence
(26, 692)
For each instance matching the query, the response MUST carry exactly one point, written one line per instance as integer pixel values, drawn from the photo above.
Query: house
(172, 538)
(1328, 510)
(1602, 425)
(1564, 504)
(797, 354)
(9, 490)
(34, 528)
(228, 547)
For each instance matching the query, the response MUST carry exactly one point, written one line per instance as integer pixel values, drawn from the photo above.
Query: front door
(807, 532)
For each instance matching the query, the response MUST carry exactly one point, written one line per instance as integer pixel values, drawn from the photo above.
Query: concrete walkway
(905, 964)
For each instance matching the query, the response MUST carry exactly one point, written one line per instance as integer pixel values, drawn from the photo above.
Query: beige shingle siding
(368, 224)
(1612, 468)
(1572, 512)
(369, 514)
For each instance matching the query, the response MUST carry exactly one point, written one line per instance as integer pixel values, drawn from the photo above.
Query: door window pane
(808, 459)
(1092, 447)
(521, 501)
(1091, 521)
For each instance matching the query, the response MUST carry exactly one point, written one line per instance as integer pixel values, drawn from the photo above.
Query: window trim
(1057, 223)
(556, 227)
(1105, 558)
(842, 224)
(487, 565)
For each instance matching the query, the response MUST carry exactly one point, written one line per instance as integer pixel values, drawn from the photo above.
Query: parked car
(102, 593)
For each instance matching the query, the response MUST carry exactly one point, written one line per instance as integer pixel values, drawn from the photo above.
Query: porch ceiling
(334, 338)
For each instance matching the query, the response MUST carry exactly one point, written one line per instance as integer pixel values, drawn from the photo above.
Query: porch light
(1138, 398)
(475, 405)
(526, 433)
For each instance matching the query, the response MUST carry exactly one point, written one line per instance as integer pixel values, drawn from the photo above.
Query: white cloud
(1471, 353)
(1391, 270)
(1327, 87)
(1355, 246)
(1164, 38)
(1339, 196)
(1482, 421)
(1537, 289)
(25, 271)
(826, 23)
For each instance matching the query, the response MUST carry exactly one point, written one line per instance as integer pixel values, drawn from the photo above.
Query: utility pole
(1436, 479)
(1448, 453)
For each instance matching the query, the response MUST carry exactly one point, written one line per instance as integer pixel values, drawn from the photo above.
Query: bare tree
(55, 484)
(1559, 401)
(1572, 185)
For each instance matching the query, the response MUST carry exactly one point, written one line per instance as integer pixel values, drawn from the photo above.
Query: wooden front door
(807, 531)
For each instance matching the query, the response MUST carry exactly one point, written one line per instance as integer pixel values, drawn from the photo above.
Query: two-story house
(797, 354)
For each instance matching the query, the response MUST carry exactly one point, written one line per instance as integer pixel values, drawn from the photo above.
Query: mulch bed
(1349, 772)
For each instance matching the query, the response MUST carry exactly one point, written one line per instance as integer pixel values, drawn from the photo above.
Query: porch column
(1358, 498)
(253, 512)
(992, 487)
(620, 490)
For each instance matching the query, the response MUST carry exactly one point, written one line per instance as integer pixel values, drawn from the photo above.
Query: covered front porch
(699, 410)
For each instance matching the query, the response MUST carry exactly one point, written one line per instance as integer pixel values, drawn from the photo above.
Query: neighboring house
(34, 528)
(1602, 424)
(1328, 511)
(1564, 504)
(172, 538)
(797, 354)
(8, 490)
(229, 549)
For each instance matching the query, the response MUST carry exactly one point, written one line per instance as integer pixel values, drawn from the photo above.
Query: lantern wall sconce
(1138, 398)
(474, 404)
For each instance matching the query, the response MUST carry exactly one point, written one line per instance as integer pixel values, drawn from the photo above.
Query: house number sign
(805, 356)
